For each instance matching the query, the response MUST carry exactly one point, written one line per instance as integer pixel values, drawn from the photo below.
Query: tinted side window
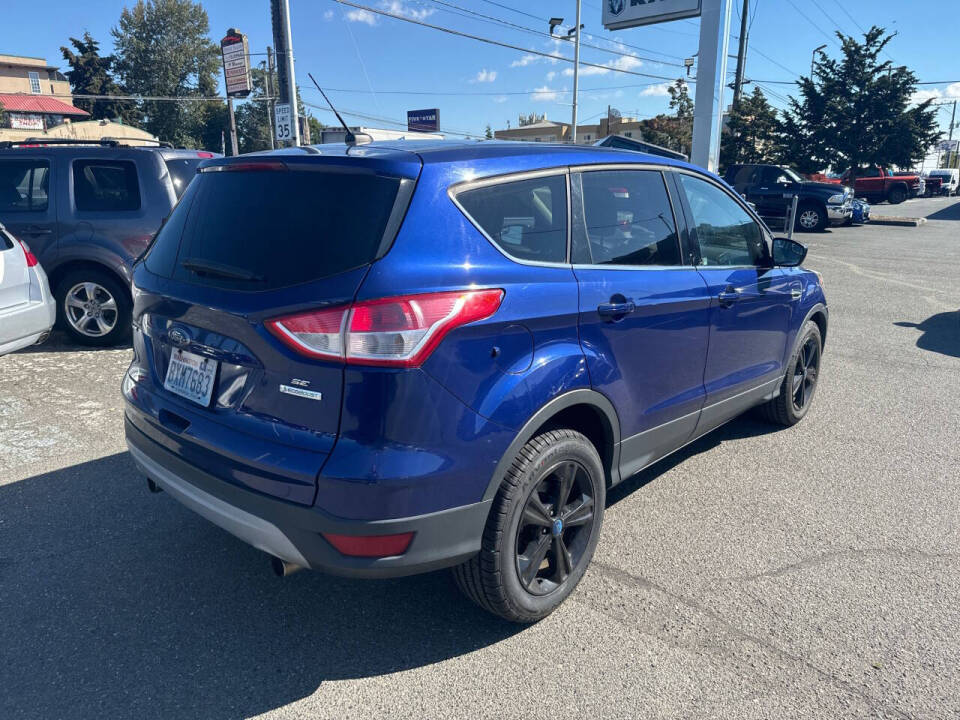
(105, 185)
(527, 219)
(24, 185)
(182, 171)
(743, 175)
(726, 232)
(628, 218)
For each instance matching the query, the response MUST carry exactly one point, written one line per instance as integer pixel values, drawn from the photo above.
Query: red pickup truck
(877, 184)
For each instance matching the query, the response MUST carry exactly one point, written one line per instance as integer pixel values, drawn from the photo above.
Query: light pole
(813, 57)
(554, 22)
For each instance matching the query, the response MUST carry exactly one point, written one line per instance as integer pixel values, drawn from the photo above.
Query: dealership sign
(236, 64)
(620, 14)
(423, 120)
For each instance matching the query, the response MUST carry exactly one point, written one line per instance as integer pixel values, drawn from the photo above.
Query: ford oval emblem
(179, 336)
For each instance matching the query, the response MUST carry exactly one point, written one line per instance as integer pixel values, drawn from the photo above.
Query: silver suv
(87, 211)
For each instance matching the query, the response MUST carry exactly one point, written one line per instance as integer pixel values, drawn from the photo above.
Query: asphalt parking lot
(760, 573)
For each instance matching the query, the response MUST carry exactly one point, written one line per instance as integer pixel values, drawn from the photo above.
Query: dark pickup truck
(771, 188)
(877, 184)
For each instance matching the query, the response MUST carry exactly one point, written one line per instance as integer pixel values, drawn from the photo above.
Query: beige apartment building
(35, 97)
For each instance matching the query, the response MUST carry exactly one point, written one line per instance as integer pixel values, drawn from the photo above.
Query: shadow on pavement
(119, 603)
(745, 426)
(941, 333)
(951, 212)
(59, 341)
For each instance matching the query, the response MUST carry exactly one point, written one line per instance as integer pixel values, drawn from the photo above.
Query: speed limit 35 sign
(283, 121)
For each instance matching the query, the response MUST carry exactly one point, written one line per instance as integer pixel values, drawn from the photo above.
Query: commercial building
(338, 135)
(34, 97)
(553, 131)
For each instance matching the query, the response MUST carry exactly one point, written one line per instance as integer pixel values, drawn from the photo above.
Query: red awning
(22, 102)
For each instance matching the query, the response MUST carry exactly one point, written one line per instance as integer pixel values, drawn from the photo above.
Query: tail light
(397, 332)
(31, 258)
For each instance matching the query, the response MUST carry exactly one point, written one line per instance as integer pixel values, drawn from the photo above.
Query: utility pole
(282, 40)
(741, 56)
(950, 153)
(576, 74)
(233, 129)
(268, 86)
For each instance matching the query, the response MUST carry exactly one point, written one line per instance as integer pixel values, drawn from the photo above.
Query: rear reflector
(370, 545)
(31, 258)
(398, 331)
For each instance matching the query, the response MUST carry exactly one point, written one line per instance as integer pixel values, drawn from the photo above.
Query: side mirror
(788, 253)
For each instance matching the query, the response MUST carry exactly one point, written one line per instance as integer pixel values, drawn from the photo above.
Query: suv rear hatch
(254, 238)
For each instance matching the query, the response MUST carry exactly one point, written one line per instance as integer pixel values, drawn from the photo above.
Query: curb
(896, 220)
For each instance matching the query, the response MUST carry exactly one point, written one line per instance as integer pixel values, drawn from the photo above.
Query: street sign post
(283, 122)
(620, 14)
(423, 120)
(236, 63)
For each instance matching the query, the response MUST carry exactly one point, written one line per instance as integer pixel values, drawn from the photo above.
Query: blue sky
(374, 65)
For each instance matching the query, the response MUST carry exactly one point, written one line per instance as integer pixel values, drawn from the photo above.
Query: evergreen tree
(855, 112)
(90, 74)
(752, 134)
(488, 132)
(163, 48)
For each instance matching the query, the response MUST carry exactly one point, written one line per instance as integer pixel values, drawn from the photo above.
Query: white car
(27, 308)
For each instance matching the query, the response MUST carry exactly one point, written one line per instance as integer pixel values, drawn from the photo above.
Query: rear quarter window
(24, 185)
(526, 219)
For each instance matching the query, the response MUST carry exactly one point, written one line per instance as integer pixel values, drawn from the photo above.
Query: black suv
(771, 188)
(87, 211)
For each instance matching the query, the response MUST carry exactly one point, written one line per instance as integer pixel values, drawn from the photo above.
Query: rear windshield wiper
(204, 267)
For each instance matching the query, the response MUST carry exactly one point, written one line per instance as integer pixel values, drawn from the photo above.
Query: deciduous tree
(752, 134)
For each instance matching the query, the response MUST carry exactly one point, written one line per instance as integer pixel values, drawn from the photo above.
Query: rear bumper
(24, 326)
(293, 533)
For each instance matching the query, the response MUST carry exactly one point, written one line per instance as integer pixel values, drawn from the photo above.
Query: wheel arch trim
(579, 397)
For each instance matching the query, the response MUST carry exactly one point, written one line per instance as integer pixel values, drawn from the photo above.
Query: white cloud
(362, 16)
(545, 94)
(328, 15)
(524, 61)
(400, 8)
(485, 76)
(951, 93)
(500, 98)
(659, 90)
(627, 62)
(551, 75)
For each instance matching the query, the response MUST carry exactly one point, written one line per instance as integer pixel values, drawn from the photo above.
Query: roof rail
(58, 141)
(124, 141)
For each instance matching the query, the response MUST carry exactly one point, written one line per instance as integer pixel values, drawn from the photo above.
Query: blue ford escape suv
(386, 359)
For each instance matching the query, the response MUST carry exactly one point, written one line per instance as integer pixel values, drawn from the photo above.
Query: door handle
(728, 296)
(616, 310)
(796, 291)
(33, 230)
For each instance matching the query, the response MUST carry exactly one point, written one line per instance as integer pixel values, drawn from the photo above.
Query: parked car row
(87, 212)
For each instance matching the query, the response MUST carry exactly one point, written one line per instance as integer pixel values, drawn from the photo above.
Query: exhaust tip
(42, 339)
(283, 568)
(153, 487)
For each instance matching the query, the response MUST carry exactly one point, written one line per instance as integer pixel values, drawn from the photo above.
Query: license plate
(191, 376)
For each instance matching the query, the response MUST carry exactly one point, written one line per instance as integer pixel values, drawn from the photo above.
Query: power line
(491, 93)
(142, 98)
(852, 18)
(541, 33)
(489, 41)
(807, 18)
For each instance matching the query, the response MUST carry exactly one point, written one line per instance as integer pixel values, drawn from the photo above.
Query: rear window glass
(262, 230)
(527, 219)
(181, 172)
(24, 185)
(105, 186)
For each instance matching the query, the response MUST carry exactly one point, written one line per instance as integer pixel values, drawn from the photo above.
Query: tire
(810, 218)
(896, 195)
(94, 307)
(783, 409)
(496, 578)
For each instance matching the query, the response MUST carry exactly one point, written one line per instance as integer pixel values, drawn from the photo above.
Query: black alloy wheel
(555, 528)
(805, 374)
